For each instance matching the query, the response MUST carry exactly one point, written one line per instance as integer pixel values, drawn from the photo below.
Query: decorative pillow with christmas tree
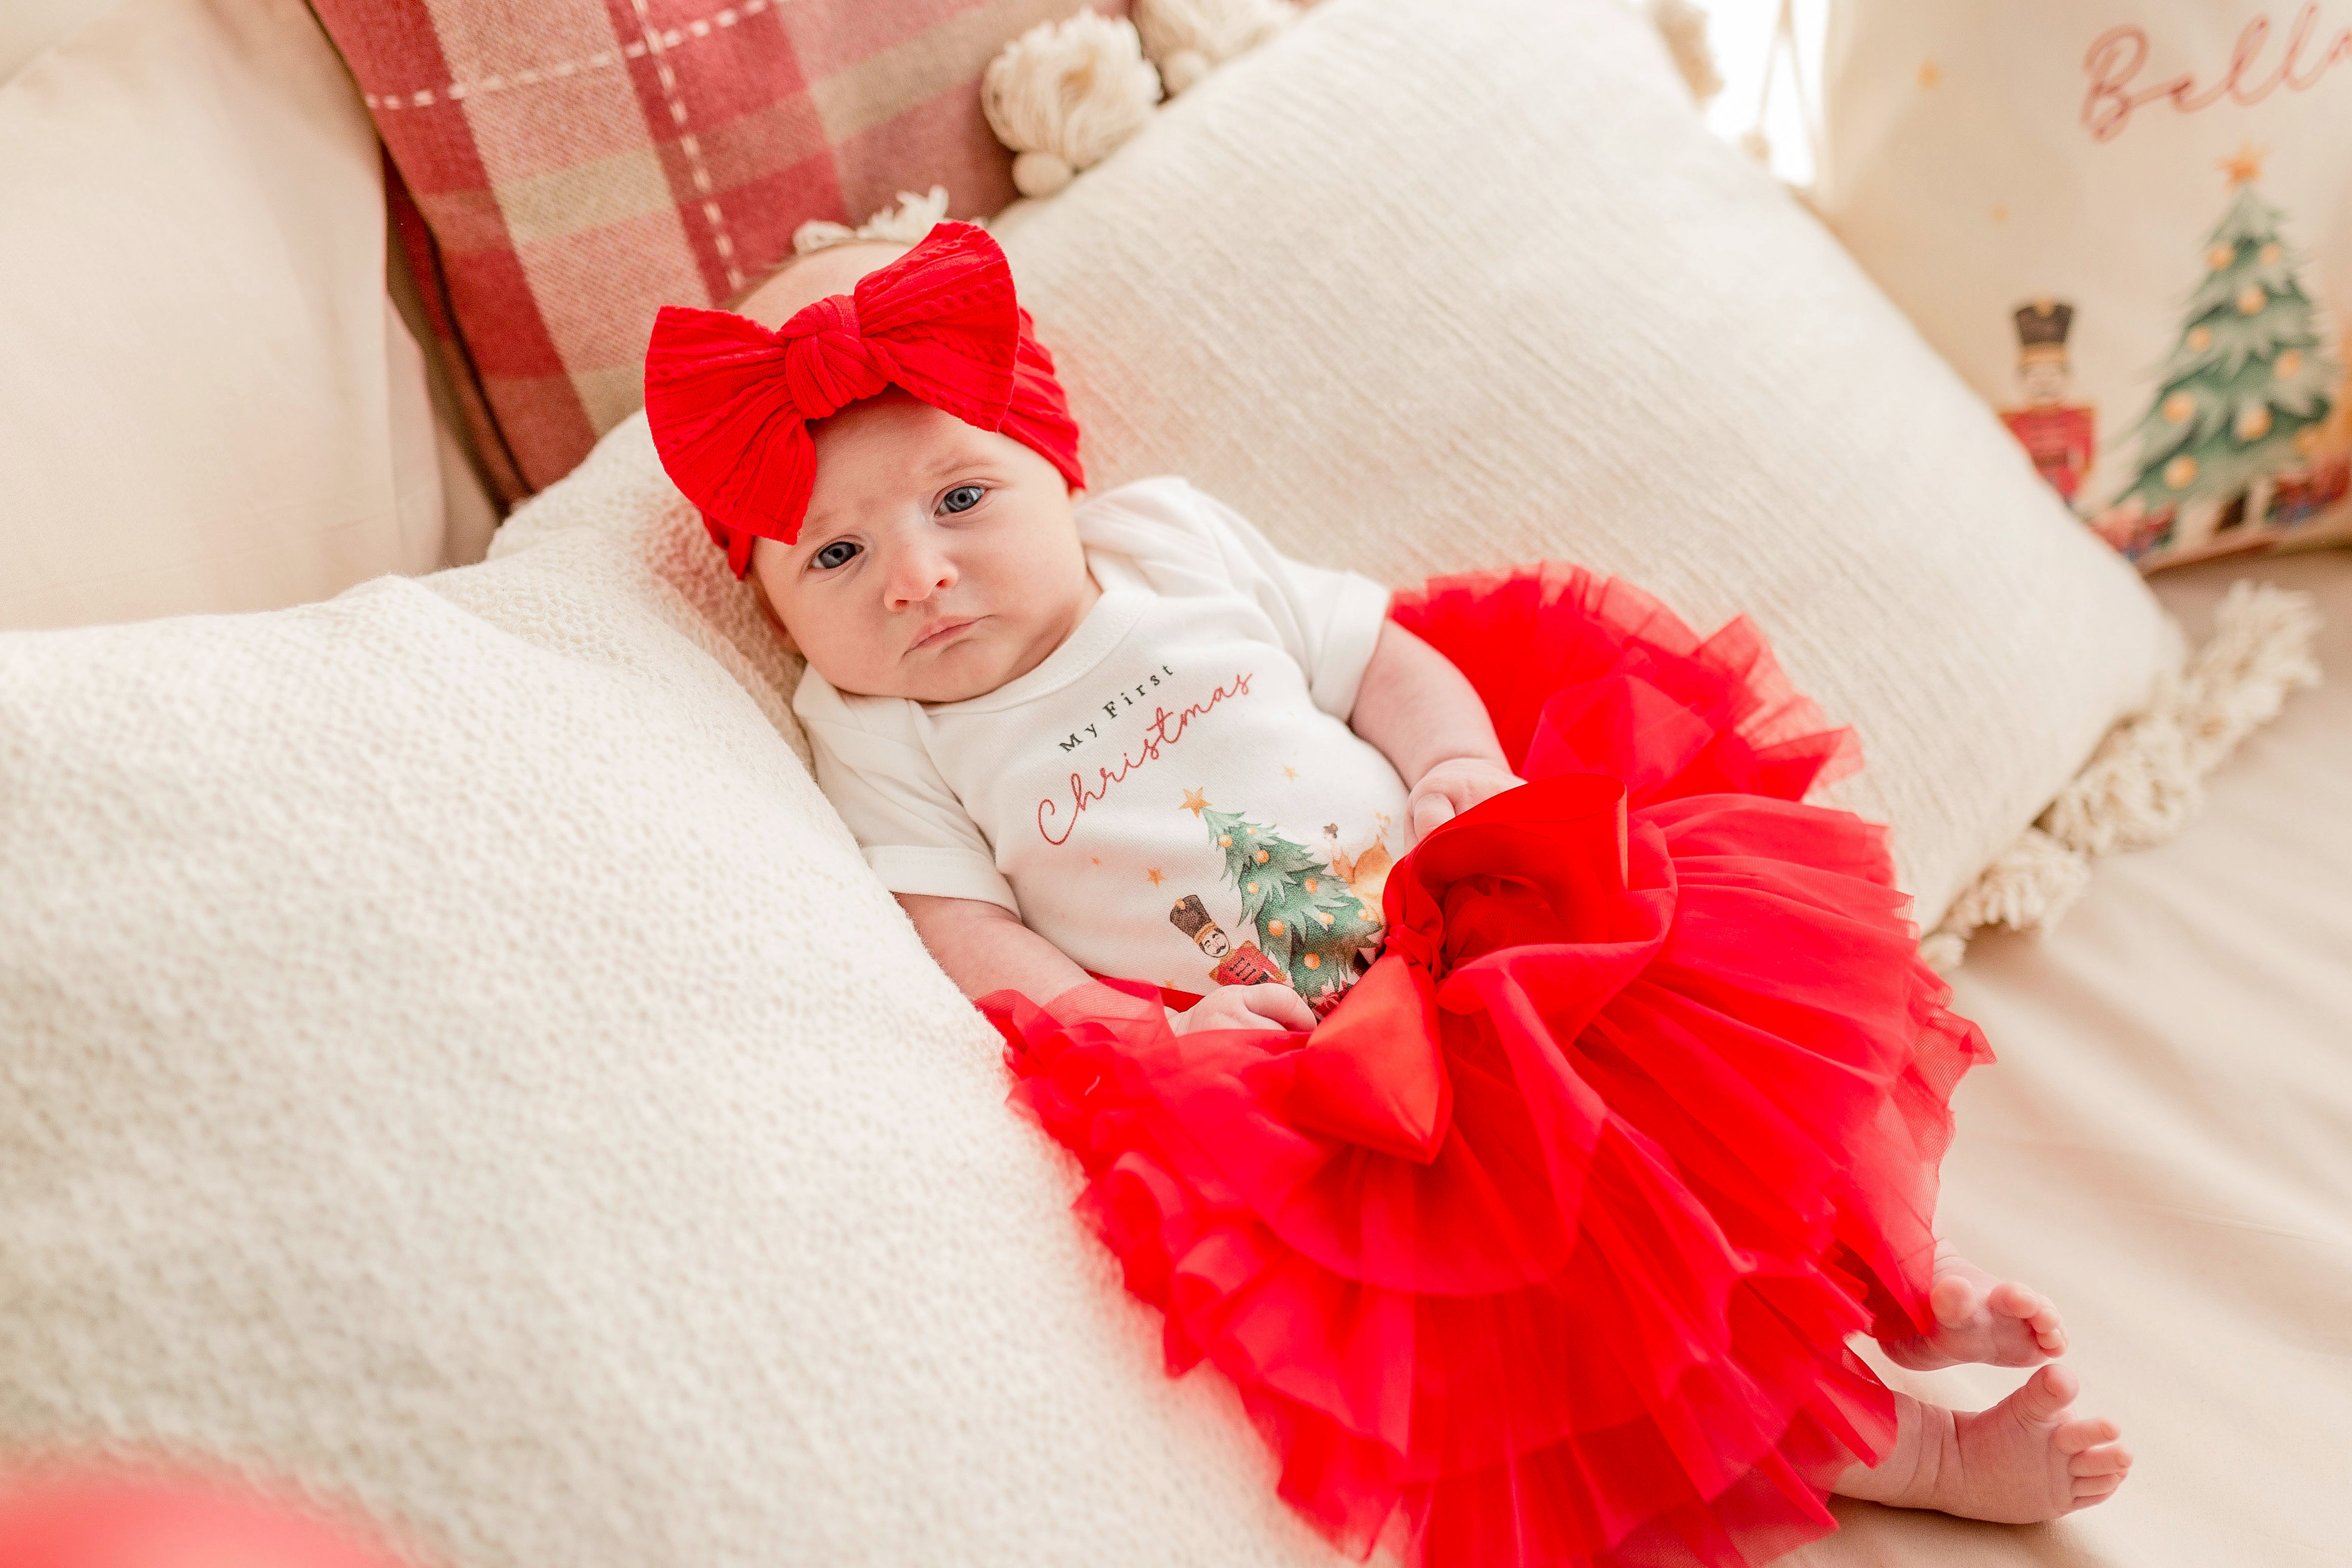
(2129, 228)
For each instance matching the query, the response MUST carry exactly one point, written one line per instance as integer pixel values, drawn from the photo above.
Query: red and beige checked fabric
(567, 167)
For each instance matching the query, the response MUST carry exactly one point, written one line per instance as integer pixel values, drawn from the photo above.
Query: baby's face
(937, 561)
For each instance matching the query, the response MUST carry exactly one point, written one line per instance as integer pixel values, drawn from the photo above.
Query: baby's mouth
(938, 632)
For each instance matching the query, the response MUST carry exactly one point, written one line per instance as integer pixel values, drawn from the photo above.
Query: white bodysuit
(1174, 795)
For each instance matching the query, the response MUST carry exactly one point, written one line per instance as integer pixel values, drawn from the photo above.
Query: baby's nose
(917, 574)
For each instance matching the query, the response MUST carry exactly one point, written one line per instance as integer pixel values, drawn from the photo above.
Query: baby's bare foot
(2027, 1459)
(2030, 1458)
(1980, 1319)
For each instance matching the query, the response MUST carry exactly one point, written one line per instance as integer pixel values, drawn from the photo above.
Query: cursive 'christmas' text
(1165, 729)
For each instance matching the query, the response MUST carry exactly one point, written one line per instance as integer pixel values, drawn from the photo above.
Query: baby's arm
(984, 947)
(1426, 719)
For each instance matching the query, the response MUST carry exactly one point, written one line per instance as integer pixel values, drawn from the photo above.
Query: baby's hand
(1452, 787)
(1267, 1007)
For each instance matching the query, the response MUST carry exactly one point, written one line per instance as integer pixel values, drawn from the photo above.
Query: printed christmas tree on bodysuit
(2246, 388)
(1307, 920)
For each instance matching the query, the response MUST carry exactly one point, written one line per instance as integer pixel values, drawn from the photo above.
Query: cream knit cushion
(207, 400)
(451, 1056)
(1421, 287)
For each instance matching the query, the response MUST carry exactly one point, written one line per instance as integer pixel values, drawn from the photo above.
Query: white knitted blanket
(450, 1055)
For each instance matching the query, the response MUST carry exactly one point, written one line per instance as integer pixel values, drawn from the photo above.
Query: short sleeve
(871, 764)
(1182, 543)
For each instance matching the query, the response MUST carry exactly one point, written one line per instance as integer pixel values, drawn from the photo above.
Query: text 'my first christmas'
(1164, 729)
(1128, 697)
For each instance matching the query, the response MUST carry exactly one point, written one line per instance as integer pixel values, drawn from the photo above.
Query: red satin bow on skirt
(1544, 1247)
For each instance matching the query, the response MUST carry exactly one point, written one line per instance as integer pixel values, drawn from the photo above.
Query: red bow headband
(730, 402)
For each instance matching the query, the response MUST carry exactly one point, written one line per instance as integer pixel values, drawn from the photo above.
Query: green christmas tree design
(2246, 387)
(1307, 920)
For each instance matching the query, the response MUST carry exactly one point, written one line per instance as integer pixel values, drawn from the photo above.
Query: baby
(1000, 688)
(1123, 737)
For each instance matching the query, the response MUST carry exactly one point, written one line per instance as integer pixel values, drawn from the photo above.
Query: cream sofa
(455, 1062)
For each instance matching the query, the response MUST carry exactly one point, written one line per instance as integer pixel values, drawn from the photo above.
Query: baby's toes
(2093, 1475)
(1953, 1300)
(2079, 1437)
(2010, 1299)
(2036, 1311)
(2111, 1460)
(2045, 1397)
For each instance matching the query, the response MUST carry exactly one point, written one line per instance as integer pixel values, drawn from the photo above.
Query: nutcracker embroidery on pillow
(2056, 434)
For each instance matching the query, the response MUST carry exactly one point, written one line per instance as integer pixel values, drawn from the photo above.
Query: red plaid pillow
(569, 166)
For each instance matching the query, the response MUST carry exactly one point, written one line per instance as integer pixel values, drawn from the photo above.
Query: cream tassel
(1682, 24)
(2147, 780)
(2027, 888)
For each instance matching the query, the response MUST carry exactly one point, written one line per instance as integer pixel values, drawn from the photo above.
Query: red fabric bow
(729, 402)
(1548, 852)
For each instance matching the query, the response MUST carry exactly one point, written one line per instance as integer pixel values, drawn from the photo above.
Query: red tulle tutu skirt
(1653, 1090)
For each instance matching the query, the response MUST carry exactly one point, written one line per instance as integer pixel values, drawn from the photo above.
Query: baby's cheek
(777, 625)
(767, 590)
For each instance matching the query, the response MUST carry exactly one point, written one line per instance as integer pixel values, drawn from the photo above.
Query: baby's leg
(2026, 1459)
(1980, 1319)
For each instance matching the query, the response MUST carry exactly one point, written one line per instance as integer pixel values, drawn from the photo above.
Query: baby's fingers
(1429, 812)
(1489, 786)
(1285, 1006)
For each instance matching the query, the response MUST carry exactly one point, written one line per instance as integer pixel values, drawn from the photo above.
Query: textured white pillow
(207, 400)
(1424, 286)
(450, 1055)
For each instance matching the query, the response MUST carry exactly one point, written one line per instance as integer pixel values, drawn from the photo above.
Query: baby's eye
(840, 553)
(963, 497)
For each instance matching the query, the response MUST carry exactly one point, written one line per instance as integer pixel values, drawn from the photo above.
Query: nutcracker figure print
(1244, 965)
(2056, 434)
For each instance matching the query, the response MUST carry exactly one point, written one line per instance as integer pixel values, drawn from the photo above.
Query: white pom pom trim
(1186, 39)
(1181, 70)
(913, 217)
(1073, 89)
(1041, 173)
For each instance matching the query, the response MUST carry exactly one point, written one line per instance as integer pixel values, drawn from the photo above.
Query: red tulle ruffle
(1694, 1085)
